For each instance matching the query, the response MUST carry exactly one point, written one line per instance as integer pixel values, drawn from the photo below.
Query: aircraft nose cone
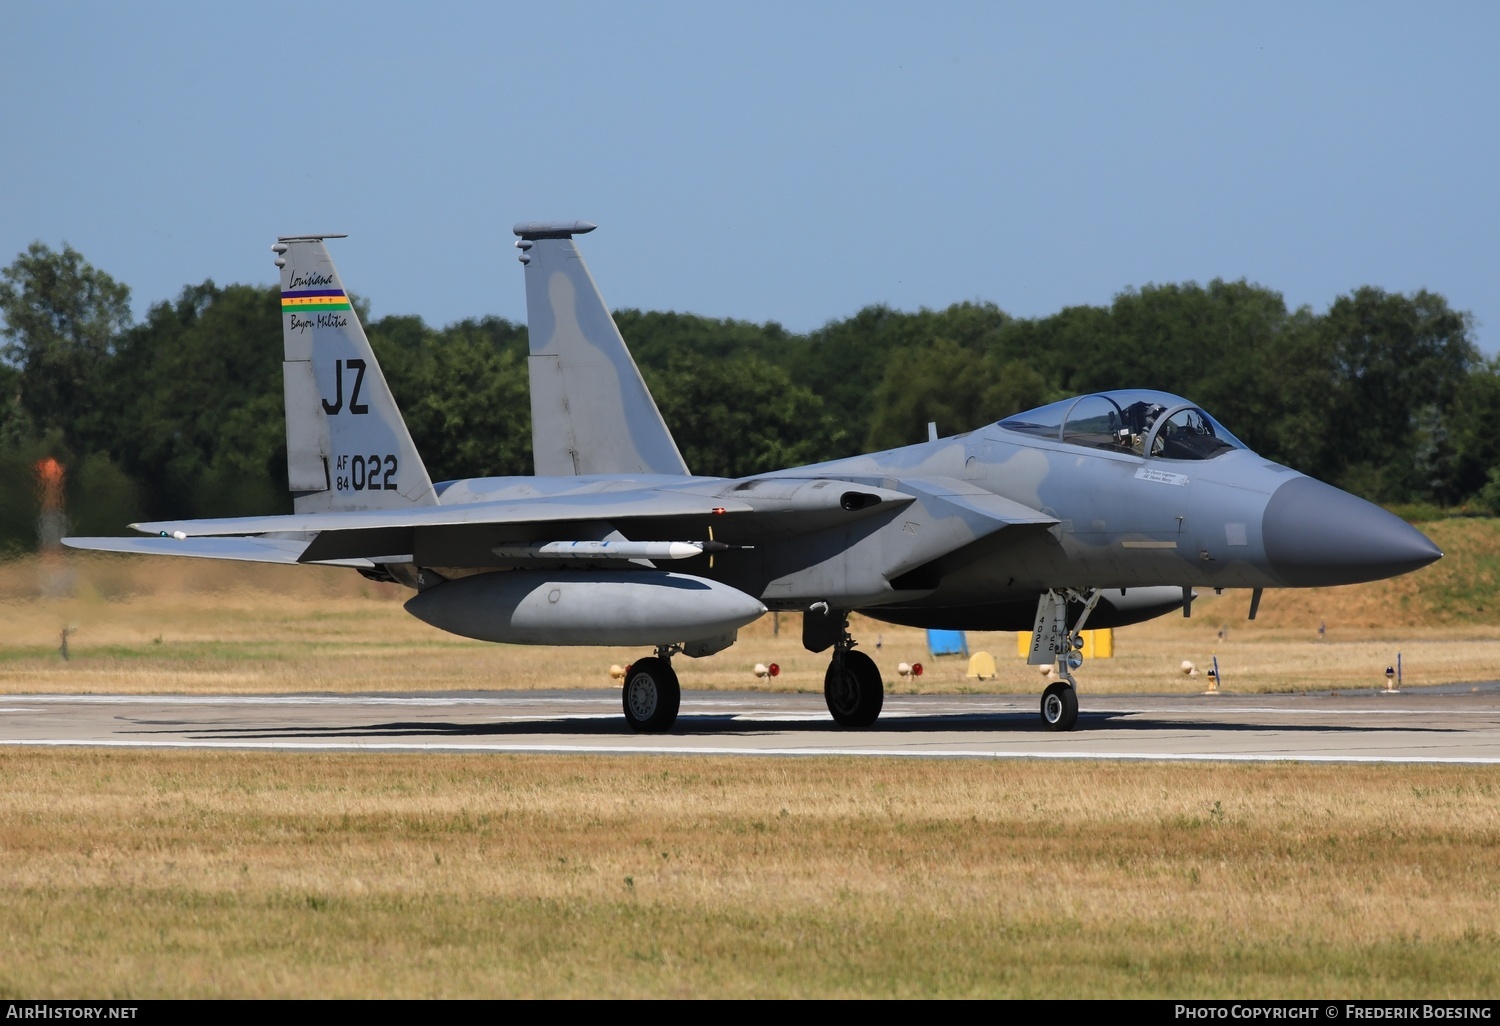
(1317, 535)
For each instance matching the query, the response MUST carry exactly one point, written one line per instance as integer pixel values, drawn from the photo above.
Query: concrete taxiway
(1457, 724)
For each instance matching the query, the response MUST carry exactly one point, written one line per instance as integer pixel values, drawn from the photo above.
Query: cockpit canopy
(1139, 421)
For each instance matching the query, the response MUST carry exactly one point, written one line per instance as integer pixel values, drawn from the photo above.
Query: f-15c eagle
(1105, 509)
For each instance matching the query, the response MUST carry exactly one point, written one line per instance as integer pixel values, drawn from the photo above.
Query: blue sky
(765, 161)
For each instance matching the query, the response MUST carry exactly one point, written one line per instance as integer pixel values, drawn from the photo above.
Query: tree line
(180, 414)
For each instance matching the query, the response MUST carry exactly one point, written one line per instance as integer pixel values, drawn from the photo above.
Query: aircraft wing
(756, 511)
(541, 509)
(245, 550)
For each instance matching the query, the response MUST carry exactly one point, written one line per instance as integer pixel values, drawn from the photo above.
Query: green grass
(1462, 587)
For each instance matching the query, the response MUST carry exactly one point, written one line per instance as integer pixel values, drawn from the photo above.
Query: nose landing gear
(1060, 706)
(1054, 641)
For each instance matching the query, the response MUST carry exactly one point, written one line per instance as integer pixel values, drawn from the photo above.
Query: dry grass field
(218, 874)
(214, 874)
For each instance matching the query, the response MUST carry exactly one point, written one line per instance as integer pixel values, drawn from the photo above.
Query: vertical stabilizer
(347, 447)
(590, 411)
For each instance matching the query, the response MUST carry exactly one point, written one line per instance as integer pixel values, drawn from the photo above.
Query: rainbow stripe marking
(315, 299)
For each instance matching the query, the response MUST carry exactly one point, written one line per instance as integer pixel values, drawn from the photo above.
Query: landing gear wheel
(651, 696)
(853, 690)
(1059, 706)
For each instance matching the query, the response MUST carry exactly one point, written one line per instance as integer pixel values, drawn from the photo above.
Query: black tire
(1059, 706)
(853, 690)
(651, 696)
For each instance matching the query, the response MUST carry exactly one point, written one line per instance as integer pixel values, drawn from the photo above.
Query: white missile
(536, 607)
(608, 549)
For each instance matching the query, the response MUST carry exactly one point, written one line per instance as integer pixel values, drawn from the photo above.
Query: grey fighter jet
(1104, 510)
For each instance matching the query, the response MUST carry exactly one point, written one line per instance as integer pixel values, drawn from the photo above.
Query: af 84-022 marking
(367, 473)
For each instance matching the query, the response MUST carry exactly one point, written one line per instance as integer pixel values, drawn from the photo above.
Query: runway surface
(1457, 724)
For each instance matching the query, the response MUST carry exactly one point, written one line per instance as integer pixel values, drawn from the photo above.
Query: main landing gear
(651, 694)
(852, 686)
(1054, 641)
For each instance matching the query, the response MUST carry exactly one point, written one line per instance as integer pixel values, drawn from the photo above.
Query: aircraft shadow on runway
(719, 725)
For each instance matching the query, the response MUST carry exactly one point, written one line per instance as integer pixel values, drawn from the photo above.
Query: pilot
(1147, 416)
(1160, 441)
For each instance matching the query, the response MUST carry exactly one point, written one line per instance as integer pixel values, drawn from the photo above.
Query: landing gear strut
(852, 686)
(651, 694)
(1053, 640)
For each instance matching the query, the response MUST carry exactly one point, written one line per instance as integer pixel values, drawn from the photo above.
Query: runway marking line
(555, 749)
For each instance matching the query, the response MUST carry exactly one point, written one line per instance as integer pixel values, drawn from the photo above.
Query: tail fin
(347, 447)
(590, 411)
